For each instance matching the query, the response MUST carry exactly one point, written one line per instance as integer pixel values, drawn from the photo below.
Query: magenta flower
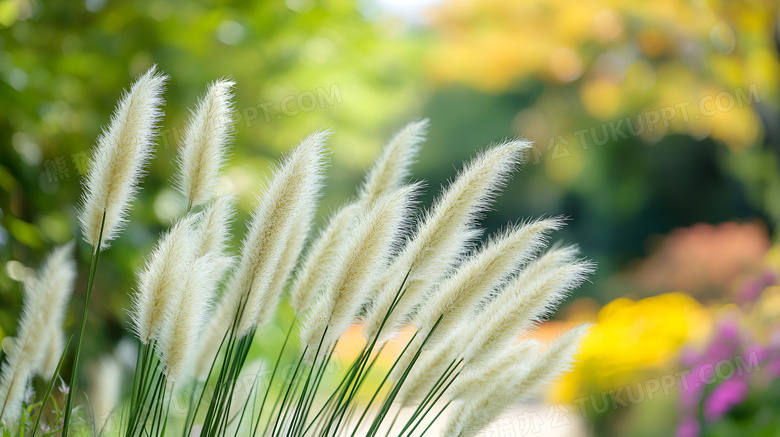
(750, 290)
(724, 397)
(688, 428)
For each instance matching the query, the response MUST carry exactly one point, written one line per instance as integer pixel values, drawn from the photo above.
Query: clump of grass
(379, 262)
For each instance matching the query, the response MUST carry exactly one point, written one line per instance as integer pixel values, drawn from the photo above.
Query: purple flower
(750, 290)
(774, 340)
(692, 386)
(725, 344)
(773, 367)
(688, 428)
(769, 277)
(689, 357)
(755, 353)
(724, 397)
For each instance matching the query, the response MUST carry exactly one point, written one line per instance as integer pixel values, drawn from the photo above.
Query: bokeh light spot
(565, 64)
(607, 25)
(600, 98)
(230, 32)
(723, 38)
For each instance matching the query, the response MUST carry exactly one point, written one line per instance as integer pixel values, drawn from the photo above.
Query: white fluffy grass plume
(293, 187)
(118, 161)
(492, 327)
(317, 265)
(45, 301)
(484, 402)
(523, 302)
(213, 229)
(288, 260)
(445, 234)
(163, 278)
(481, 273)
(474, 376)
(360, 262)
(52, 355)
(183, 321)
(393, 167)
(220, 322)
(205, 142)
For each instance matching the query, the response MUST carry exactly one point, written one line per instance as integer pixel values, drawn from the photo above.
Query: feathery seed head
(204, 147)
(393, 166)
(318, 263)
(290, 192)
(355, 268)
(556, 359)
(431, 364)
(288, 260)
(390, 169)
(183, 321)
(483, 403)
(445, 234)
(163, 278)
(56, 280)
(213, 227)
(518, 354)
(481, 273)
(52, 355)
(118, 161)
(359, 263)
(219, 323)
(525, 301)
(43, 311)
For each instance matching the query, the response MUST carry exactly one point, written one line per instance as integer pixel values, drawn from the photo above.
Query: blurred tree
(645, 116)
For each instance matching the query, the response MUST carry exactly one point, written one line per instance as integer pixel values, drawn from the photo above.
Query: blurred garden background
(656, 129)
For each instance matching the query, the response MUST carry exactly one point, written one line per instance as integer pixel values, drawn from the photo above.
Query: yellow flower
(631, 338)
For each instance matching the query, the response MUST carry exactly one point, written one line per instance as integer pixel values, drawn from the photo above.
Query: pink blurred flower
(750, 290)
(726, 345)
(688, 428)
(752, 287)
(725, 396)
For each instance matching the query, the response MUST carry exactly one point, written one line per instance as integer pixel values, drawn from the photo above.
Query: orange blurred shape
(653, 42)
(352, 342)
(580, 311)
(705, 257)
(565, 64)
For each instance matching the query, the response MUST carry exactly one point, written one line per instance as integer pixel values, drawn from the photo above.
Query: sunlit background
(656, 129)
